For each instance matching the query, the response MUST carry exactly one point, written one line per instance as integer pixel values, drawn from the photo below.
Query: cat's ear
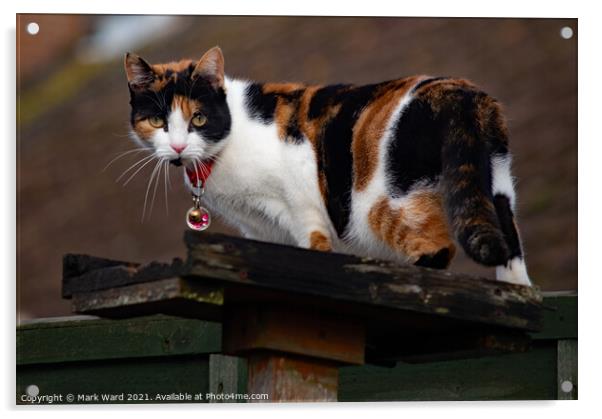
(140, 73)
(211, 68)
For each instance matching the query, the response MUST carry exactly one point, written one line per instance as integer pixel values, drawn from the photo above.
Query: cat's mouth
(190, 165)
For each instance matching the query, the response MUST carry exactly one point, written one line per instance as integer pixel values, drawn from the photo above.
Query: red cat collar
(197, 217)
(200, 172)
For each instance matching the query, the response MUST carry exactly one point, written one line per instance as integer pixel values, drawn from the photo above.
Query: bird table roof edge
(401, 311)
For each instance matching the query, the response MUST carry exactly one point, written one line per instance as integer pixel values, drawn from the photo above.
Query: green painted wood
(84, 340)
(559, 318)
(227, 375)
(150, 380)
(523, 376)
(567, 369)
(153, 354)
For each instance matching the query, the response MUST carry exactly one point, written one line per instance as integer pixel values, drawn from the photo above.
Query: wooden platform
(288, 309)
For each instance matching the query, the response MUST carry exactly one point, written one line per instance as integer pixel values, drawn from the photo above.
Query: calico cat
(393, 170)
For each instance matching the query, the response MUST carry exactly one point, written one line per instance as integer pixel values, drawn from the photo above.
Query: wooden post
(567, 369)
(289, 378)
(225, 376)
(293, 353)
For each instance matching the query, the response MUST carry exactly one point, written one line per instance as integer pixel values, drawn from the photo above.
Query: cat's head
(179, 109)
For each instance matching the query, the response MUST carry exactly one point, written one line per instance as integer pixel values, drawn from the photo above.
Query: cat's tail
(476, 138)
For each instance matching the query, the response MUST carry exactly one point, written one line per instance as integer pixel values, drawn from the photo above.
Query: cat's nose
(178, 148)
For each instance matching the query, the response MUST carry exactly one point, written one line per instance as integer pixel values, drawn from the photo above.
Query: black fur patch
(293, 132)
(146, 103)
(439, 260)
(325, 98)
(336, 159)
(415, 152)
(260, 105)
(506, 218)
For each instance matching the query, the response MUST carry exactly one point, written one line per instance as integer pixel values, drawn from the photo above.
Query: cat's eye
(156, 121)
(199, 120)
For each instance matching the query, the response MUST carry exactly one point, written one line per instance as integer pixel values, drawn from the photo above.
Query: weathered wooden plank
(142, 337)
(75, 265)
(227, 376)
(567, 369)
(347, 278)
(82, 273)
(236, 263)
(173, 296)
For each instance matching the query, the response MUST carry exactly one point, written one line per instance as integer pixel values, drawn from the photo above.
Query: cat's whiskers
(146, 161)
(168, 175)
(116, 134)
(148, 187)
(157, 177)
(123, 154)
(165, 176)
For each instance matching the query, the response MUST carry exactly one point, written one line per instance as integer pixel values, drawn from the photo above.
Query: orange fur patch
(161, 70)
(284, 112)
(281, 88)
(144, 129)
(285, 109)
(175, 66)
(419, 228)
(370, 127)
(309, 128)
(188, 106)
(319, 241)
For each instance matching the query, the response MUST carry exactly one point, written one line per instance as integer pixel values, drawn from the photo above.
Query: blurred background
(73, 111)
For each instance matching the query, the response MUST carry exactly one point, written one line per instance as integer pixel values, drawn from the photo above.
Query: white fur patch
(503, 183)
(266, 187)
(515, 272)
(360, 237)
(178, 129)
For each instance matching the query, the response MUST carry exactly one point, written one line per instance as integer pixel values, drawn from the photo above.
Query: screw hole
(32, 390)
(566, 386)
(33, 28)
(566, 32)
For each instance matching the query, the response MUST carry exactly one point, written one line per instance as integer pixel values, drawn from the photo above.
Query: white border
(590, 153)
